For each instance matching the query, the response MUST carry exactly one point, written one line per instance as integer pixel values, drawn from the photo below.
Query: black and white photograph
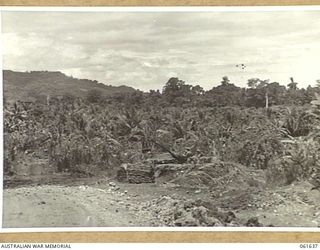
(161, 117)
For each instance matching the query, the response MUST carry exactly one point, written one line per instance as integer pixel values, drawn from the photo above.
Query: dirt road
(26, 208)
(123, 205)
(59, 206)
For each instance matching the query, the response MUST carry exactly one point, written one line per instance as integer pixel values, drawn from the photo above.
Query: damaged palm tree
(180, 158)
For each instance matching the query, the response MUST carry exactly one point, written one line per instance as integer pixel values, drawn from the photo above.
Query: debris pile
(136, 173)
(253, 222)
(169, 211)
(162, 158)
(217, 174)
(171, 170)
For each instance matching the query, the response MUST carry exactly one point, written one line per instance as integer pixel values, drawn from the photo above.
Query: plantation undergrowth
(230, 156)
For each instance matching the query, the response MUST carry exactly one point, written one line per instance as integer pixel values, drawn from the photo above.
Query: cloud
(144, 49)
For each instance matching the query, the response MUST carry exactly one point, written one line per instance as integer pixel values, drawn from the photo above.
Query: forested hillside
(38, 85)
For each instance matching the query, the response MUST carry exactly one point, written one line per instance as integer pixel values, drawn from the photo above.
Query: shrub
(299, 161)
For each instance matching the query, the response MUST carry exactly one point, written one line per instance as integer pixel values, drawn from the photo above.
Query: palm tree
(292, 85)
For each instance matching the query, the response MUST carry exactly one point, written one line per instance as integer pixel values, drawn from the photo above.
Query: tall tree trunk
(267, 100)
(48, 100)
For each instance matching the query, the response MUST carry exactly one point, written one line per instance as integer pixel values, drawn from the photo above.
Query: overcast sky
(144, 50)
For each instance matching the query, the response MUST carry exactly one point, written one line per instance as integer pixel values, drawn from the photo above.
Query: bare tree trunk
(179, 158)
(48, 100)
(267, 100)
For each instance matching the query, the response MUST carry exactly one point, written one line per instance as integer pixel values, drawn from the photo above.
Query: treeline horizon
(258, 93)
(176, 92)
